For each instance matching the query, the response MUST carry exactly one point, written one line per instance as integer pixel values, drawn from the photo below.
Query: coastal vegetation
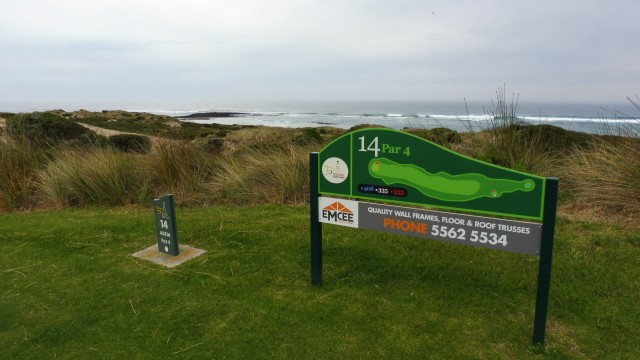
(58, 159)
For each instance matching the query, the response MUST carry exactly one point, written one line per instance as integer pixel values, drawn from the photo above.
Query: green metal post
(315, 224)
(546, 255)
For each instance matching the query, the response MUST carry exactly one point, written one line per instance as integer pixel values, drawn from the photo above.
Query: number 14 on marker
(374, 146)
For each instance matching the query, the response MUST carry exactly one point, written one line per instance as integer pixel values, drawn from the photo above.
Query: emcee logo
(340, 213)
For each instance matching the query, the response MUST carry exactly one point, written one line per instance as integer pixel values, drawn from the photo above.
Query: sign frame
(547, 217)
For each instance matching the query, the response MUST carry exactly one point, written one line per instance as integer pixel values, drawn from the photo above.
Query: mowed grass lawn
(70, 289)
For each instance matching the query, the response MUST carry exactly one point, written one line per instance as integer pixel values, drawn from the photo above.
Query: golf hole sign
(165, 215)
(393, 166)
(512, 211)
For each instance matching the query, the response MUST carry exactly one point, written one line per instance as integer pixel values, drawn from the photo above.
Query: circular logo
(335, 170)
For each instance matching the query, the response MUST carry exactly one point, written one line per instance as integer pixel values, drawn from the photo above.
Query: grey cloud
(284, 49)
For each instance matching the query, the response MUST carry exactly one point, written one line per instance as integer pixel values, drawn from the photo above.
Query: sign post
(391, 166)
(165, 215)
(316, 225)
(544, 267)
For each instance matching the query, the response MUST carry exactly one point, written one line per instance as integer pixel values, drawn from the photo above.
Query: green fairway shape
(444, 186)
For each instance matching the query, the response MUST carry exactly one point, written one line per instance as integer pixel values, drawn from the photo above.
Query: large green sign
(393, 166)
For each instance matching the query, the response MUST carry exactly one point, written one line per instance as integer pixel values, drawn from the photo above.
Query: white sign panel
(338, 211)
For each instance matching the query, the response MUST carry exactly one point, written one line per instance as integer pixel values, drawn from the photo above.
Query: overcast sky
(587, 51)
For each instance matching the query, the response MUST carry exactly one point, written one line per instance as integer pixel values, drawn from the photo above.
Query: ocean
(456, 115)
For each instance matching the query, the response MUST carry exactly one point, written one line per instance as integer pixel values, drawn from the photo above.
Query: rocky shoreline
(212, 114)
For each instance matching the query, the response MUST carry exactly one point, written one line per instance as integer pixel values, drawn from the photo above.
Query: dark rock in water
(214, 114)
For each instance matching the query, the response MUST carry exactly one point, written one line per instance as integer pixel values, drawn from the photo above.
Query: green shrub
(131, 143)
(503, 145)
(445, 136)
(89, 139)
(364, 126)
(529, 148)
(213, 144)
(308, 136)
(440, 136)
(42, 129)
(555, 138)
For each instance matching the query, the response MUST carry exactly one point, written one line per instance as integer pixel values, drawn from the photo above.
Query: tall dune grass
(269, 174)
(180, 168)
(505, 141)
(19, 163)
(264, 175)
(93, 177)
(606, 176)
(511, 143)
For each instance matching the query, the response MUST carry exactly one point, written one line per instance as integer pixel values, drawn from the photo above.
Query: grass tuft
(514, 144)
(19, 163)
(264, 175)
(607, 176)
(94, 177)
(180, 168)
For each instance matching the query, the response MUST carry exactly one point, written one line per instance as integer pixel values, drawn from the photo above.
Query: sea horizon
(459, 115)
